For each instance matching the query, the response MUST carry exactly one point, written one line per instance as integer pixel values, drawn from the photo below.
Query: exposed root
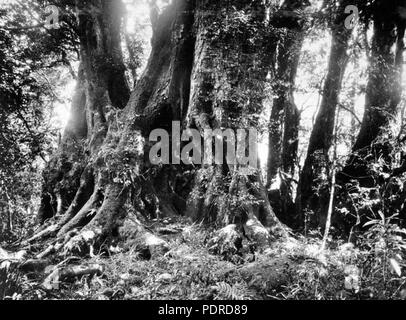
(83, 194)
(48, 232)
(81, 244)
(34, 266)
(47, 252)
(3, 254)
(58, 275)
(133, 234)
(85, 214)
(7, 259)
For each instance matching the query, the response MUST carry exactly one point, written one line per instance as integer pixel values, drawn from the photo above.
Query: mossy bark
(203, 74)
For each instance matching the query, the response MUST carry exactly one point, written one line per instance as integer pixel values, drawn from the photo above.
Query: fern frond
(229, 292)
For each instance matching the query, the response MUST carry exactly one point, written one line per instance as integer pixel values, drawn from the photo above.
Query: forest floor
(297, 269)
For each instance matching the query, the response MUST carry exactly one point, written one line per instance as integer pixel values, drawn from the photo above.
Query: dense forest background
(85, 214)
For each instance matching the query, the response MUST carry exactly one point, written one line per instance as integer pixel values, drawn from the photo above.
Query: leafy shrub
(385, 246)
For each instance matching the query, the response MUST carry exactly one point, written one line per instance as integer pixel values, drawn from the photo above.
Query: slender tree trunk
(333, 170)
(285, 117)
(284, 120)
(315, 169)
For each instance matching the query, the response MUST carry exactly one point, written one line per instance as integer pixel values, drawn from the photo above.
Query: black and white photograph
(228, 152)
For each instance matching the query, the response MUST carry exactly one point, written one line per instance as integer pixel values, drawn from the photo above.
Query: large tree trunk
(116, 170)
(62, 174)
(315, 172)
(384, 88)
(383, 96)
(101, 89)
(231, 65)
(383, 93)
(206, 74)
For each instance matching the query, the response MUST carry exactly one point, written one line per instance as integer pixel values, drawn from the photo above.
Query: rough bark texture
(316, 167)
(284, 120)
(101, 88)
(119, 162)
(383, 93)
(384, 86)
(202, 72)
(285, 116)
(62, 174)
(229, 74)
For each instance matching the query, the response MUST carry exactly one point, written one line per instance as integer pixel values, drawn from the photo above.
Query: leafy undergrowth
(291, 270)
